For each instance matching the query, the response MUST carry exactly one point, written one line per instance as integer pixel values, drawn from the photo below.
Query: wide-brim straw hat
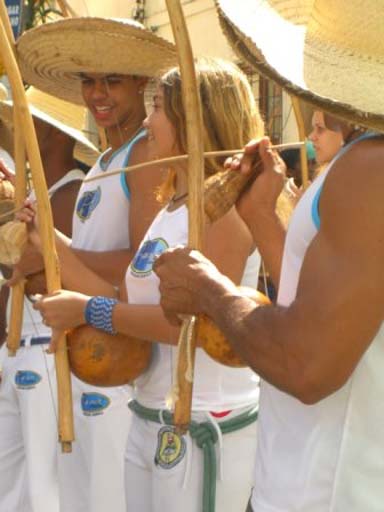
(51, 56)
(67, 117)
(329, 53)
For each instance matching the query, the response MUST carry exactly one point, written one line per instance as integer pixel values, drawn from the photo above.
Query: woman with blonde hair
(165, 471)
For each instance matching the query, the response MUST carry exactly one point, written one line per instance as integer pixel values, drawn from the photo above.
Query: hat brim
(84, 151)
(287, 60)
(52, 56)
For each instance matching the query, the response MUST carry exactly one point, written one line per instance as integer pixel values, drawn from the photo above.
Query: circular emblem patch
(87, 203)
(170, 448)
(143, 262)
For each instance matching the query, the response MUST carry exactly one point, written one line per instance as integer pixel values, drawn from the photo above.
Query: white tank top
(32, 321)
(325, 457)
(216, 387)
(101, 216)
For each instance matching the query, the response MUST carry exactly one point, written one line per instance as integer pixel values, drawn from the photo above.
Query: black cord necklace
(174, 199)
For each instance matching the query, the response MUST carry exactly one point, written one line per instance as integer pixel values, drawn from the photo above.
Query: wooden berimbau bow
(25, 137)
(194, 129)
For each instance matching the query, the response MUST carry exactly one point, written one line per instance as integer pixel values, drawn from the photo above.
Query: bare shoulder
(351, 202)
(357, 175)
(148, 178)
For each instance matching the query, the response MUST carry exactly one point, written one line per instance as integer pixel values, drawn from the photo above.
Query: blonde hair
(230, 114)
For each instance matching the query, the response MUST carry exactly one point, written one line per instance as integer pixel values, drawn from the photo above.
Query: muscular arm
(310, 348)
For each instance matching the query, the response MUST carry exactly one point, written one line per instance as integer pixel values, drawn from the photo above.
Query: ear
(141, 82)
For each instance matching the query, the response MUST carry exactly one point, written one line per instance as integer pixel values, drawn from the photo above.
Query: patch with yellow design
(170, 448)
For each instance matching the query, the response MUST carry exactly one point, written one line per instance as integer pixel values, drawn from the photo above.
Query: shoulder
(352, 194)
(360, 169)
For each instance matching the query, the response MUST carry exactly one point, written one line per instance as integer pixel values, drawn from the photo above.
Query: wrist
(214, 292)
(98, 313)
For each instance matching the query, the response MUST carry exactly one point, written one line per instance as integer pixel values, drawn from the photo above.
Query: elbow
(311, 386)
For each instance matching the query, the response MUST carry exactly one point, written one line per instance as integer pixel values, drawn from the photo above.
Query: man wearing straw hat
(104, 64)
(320, 351)
(28, 408)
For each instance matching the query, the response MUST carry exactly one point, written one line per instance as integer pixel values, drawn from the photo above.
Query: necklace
(176, 198)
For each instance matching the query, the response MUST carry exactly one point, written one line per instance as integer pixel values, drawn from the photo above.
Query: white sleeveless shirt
(216, 387)
(326, 457)
(101, 216)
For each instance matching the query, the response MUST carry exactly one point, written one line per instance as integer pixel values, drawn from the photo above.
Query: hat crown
(348, 26)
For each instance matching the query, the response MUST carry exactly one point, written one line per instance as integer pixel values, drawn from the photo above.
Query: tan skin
(228, 243)
(310, 348)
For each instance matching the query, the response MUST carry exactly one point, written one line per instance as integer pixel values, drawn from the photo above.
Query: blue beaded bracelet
(98, 313)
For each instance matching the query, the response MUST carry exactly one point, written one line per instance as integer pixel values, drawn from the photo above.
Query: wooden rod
(183, 158)
(195, 145)
(302, 136)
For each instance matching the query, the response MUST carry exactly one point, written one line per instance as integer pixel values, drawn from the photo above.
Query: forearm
(269, 236)
(109, 265)
(259, 335)
(78, 277)
(144, 322)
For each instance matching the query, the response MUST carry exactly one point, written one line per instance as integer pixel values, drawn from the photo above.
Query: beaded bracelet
(98, 313)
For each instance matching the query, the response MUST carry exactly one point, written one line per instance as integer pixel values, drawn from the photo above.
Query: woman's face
(161, 132)
(326, 142)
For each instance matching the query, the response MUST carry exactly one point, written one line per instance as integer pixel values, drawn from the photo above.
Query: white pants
(91, 479)
(28, 433)
(152, 488)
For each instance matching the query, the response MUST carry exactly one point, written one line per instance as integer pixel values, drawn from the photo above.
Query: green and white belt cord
(205, 436)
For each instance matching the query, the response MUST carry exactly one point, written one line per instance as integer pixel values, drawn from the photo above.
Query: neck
(121, 133)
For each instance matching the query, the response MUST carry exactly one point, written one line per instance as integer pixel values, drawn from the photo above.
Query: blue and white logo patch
(93, 404)
(25, 379)
(87, 203)
(144, 259)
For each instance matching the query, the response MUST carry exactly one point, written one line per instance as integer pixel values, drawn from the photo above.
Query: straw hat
(67, 117)
(331, 53)
(52, 55)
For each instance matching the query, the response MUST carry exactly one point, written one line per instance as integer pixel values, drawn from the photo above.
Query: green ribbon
(205, 436)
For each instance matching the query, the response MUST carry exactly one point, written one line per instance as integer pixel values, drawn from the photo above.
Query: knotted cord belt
(205, 436)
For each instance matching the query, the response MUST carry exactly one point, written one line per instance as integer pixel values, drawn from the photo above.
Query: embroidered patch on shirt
(170, 448)
(143, 261)
(87, 203)
(25, 379)
(94, 404)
